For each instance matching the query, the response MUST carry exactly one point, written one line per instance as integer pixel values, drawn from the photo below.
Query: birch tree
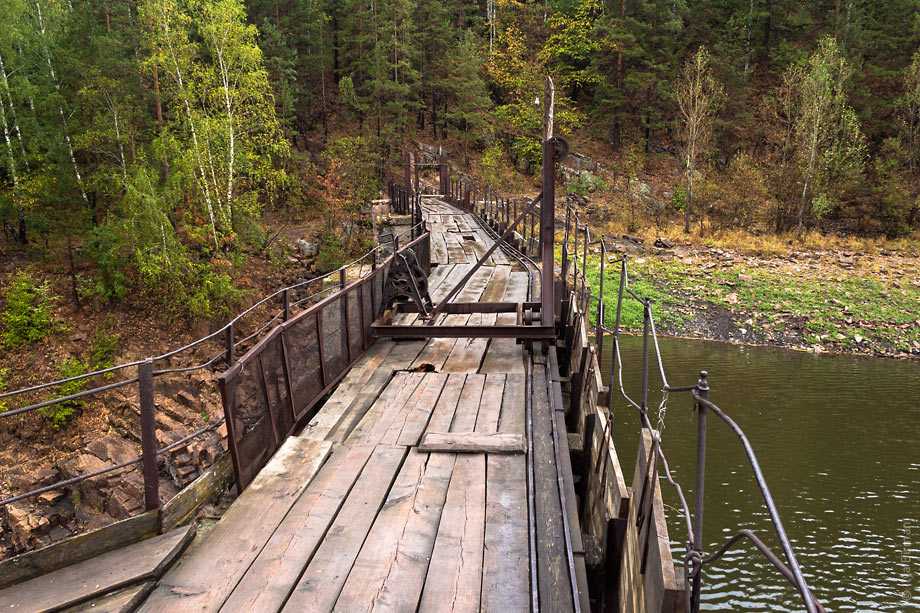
(699, 96)
(829, 144)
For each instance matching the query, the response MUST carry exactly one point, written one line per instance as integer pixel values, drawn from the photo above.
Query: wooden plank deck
(356, 514)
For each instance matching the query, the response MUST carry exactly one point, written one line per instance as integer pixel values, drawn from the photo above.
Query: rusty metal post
(599, 329)
(415, 165)
(148, 435)
(646, 318)
(341, 278)
(616, 335)
(287, 304)
(547, 210)
(702, 387)
(442, 174)
(229, 342)
(565, 247)
(585, 295)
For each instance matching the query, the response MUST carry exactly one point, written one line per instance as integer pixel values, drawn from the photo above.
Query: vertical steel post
(287, 304)
(616, 336)
(442, 175)
(646, 309)
(702, 387)
(565, 246)
(599, 330)
(341, 278)
(547, 210)
(415, 158)
(229, 341)
(584, 275)
(148, 435)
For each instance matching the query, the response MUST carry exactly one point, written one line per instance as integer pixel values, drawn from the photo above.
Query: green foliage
(184, 287)
(102, 350)
(585, 183)
(4, 372)
(59, 413)
(678, 199)
(331, 253)
(493, 162)
(29, 314)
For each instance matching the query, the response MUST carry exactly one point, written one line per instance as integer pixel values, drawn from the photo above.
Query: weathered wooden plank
(410, 421)
(505, 576)
(383, 412)
(493, 393)
(435, 353)
(184, 505)
(506, 354)
(498, 284)
(443, 414)
(512, 417)
(78, 548)
(122, 601)
(554, 584)
(468, 405)
(454, 580)
(660, 587)
(111, 571)
(389, 573)
(472, 442)
(352, 384)
(360, 405)
(322, 581)
(213, 566)
(467, 353)
(269, 580)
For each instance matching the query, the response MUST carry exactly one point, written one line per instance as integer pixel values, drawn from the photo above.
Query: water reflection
(838, 439)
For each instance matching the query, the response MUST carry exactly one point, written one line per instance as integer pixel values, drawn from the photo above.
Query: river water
(838, 439)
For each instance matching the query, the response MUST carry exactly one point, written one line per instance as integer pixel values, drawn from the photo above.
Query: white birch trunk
(57, 86)
(15, 121)
(188, 111)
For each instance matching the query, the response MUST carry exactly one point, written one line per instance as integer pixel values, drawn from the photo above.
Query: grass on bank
(837, 309)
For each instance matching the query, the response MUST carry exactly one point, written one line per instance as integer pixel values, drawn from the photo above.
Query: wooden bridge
(437, 473)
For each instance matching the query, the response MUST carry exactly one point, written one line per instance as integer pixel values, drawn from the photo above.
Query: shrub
(102, 350)
(59, 413)
(679, 199)
(29, 314)
(331, 253)
(585, 183)
(3, 373)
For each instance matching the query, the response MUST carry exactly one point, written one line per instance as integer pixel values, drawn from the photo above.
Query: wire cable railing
(577, 243)
(292, 297)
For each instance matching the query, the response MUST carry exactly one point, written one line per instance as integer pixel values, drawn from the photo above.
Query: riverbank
(837, 301)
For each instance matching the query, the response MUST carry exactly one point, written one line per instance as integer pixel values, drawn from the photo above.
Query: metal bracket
(406, 281)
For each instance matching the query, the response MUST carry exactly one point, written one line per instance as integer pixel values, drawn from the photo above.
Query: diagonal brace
(503, 238)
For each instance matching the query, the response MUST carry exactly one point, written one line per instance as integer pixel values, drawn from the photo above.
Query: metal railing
(274, 388)
(282, 306)
(578, 234)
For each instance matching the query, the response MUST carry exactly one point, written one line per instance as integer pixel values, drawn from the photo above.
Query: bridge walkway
(409, 489)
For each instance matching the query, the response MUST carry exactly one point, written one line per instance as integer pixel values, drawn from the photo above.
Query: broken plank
(121, 601)
(215, 563)
(269, 580)
(472, 442)
(454, 580)
(389, 573)
(86, 580)
(324, 577)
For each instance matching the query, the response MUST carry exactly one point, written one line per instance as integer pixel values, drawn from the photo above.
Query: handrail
(699, 392)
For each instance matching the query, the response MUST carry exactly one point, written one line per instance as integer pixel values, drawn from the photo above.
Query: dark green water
(838, 439)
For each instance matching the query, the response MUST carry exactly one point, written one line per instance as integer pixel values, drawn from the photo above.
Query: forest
(146, 142)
